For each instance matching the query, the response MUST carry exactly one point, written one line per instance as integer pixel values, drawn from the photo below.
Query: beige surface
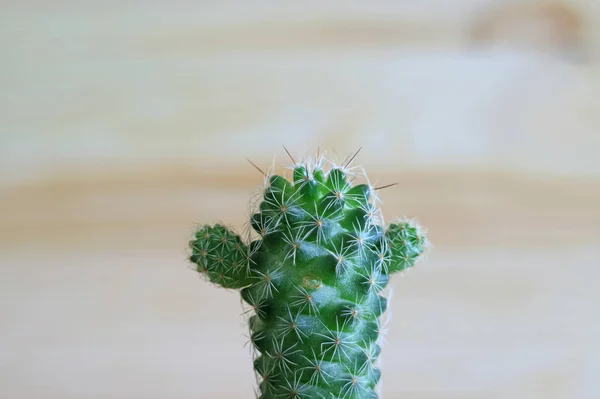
(124, 123)
(98, 301)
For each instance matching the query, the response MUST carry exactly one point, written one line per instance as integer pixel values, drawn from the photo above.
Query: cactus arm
(221, 255)
(407, 242)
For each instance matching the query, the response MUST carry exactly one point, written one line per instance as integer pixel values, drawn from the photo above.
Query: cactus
(312, 279)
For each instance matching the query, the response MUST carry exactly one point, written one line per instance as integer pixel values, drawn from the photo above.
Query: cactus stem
(312, 275)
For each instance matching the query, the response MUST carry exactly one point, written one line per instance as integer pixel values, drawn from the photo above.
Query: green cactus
(312, 279)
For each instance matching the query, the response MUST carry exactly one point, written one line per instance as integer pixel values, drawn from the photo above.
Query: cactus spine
(312, 278)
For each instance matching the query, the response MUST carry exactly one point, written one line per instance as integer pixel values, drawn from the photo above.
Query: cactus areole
(311, 273)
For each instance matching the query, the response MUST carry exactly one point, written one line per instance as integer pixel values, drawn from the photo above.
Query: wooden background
(124, 123)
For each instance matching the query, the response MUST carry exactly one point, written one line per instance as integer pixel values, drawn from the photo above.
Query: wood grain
(125, 123)
(99, 301)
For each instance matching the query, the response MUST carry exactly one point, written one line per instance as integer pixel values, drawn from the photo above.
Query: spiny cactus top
(312, 278)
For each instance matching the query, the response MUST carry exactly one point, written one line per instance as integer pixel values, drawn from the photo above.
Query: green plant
(313, 278)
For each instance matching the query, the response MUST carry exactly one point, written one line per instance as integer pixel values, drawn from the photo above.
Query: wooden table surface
(99, 302)
(125, 123)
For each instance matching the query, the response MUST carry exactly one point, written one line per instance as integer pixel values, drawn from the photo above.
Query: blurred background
(125, 123)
